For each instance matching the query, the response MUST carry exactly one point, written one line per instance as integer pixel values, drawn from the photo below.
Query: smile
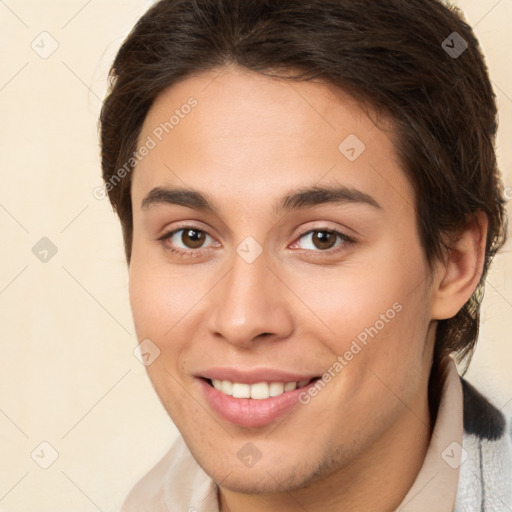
(259, 390)
(256, 403)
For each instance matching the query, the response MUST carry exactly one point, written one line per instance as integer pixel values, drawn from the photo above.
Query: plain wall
(69, 375)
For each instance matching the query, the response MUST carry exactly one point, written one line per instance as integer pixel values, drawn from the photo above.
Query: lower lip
(250, 412)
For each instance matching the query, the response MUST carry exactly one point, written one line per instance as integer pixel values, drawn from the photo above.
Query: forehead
(249, 137)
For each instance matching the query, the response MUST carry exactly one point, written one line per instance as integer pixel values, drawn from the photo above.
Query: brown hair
(400, 57)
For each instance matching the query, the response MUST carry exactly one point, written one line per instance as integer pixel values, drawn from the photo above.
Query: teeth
(258, 391)
(226, 387)
(290, 386)
(241, 390)
(276, 389)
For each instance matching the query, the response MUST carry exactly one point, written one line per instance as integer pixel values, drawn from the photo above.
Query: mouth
(259, 390)
(255, 404)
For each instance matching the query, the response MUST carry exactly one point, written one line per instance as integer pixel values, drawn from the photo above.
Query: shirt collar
(435, 487)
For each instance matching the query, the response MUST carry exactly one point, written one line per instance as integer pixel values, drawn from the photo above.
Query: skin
(250, 140)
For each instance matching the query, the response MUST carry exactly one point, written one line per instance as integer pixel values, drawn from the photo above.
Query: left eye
(323, 239)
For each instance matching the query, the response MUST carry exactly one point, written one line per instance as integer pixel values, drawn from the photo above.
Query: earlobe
(458, 277)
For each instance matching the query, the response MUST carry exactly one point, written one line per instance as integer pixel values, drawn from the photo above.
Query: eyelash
(348, 242)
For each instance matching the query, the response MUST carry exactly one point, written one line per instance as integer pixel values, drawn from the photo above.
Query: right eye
(191, 238)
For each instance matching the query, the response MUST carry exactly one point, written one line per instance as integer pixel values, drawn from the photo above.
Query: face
(274, 246)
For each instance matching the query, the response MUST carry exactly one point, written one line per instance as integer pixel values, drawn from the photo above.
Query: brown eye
(193, 238)
(322, 240)
(186, 240)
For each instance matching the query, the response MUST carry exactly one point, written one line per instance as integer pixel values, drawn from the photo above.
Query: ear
(456, 279)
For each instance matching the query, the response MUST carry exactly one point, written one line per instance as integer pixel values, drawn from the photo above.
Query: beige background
(69, 376)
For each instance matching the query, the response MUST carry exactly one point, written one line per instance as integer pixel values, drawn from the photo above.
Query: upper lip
(252, 376)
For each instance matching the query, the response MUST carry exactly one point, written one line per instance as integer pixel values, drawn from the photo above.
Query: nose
(250, 303)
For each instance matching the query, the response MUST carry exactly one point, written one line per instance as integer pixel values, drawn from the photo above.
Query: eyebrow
(301, 198)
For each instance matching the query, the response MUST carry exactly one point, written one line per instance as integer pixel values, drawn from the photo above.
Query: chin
(262, 481)
(265, 477)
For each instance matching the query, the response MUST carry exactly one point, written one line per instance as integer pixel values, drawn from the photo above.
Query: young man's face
(260, 292)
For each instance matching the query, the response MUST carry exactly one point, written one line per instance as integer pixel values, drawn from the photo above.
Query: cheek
(148, 301)
(159, 309)
(160, 298)
(375, 314)
(348, 301)
(384, 354)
